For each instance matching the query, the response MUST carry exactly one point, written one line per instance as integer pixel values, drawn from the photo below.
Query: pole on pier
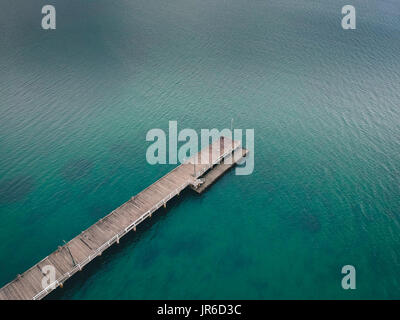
(194, 167)
(232, 133)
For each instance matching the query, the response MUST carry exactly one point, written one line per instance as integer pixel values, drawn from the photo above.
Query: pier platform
(218, 170)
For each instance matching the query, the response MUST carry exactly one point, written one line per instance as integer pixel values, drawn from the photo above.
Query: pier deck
(78, 252)
(211, 176)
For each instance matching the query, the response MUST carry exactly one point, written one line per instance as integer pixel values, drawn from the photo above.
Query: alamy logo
(349, 20)
(48, 281)
(349, 280)
(49, 20)
(157, 152)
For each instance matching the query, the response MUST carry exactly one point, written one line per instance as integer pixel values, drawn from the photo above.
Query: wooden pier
(77, 253)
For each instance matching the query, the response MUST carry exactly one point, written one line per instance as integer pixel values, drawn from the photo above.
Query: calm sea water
(76, 104)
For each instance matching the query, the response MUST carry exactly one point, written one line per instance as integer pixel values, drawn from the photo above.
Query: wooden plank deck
(78, 252)
(211, 176)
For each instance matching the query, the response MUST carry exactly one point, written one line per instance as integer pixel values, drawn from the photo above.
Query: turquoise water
(76, 104)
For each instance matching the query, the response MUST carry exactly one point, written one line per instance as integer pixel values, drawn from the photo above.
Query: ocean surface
(76, 104)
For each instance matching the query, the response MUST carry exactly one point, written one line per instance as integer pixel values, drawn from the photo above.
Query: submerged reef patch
(77, 169)
(310, 222)
(15, 189)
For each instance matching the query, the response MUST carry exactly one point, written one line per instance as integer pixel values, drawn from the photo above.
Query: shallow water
(76, 104)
